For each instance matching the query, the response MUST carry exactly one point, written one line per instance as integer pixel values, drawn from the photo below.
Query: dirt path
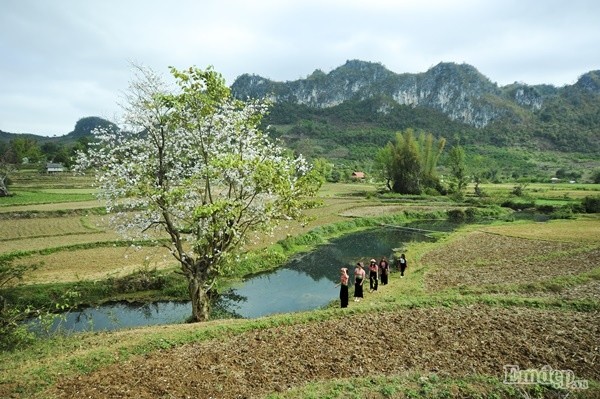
(456, 341)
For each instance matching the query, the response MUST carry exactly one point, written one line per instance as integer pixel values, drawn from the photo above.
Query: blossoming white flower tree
(191, 161)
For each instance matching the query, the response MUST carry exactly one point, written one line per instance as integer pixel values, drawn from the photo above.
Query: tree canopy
(192, 162)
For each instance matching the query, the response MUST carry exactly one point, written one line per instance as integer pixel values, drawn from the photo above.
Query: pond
(305, 282)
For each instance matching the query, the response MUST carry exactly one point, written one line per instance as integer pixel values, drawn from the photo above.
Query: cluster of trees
(37, 150)
(408, 164)
(28, 150)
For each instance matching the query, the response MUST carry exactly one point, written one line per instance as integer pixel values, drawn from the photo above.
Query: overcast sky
(67, 59)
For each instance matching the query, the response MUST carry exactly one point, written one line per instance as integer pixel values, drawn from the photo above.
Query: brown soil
(458, 341)
(585, 291)
(481, 258)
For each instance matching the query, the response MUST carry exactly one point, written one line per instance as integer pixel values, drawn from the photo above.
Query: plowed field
(456, 341)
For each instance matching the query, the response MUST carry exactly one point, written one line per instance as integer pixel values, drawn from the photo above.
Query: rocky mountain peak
(459, 91)
(590, 82)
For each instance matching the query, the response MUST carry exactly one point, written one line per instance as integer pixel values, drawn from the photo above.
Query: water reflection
(305, 282)
(308, 281)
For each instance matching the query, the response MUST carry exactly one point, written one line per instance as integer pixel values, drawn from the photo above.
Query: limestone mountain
(540, 114)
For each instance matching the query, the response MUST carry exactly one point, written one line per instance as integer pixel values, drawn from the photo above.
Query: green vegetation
(414, 385)
(31, 197)
(408, 165)
(350, 135)
(33, 364)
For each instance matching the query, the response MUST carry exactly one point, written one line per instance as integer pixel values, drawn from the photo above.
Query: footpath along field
(523, 294)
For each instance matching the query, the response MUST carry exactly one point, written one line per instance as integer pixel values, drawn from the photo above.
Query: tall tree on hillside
(5, 171)
(26, 148)
(430, 152)
(191, 161)
(324, 169)
(406, 164)
(477, 168)
(7, 166)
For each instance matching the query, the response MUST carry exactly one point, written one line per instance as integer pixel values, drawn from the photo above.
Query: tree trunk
(3, 189)
(200, 301)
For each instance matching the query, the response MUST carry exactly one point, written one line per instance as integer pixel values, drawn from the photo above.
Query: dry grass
(40, 243)
(94, 264)
(12, 229)
(52, 207)
(517, 254)
(544, 190)
(333, 210)
(580, 231)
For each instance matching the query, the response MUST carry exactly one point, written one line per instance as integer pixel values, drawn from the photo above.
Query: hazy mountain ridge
(83, 128)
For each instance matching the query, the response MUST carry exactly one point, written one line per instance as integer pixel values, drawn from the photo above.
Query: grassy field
(520, 293)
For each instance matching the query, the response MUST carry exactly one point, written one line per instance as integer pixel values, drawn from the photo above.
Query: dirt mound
(455, 341)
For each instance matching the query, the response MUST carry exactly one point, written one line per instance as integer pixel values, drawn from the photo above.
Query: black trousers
(373, 283)
(344, 296)
(384, 278)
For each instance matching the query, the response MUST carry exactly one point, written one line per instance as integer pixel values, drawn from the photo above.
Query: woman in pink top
(344, 277)
(384, 269)
(359, 278)
(373, 277)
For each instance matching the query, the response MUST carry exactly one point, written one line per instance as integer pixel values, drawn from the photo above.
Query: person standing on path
(402, 264)
(344, 277)
(384, 270)
(373, 278)
(359, 278)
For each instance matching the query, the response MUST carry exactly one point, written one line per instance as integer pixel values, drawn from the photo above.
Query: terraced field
(383, 341)
(482, 298)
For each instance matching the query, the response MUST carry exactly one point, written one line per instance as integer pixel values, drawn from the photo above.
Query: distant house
(54, 167)
(358, 175)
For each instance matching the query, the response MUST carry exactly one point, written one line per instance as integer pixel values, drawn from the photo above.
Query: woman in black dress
(384, 270)
(359, 278)
(344, 277)
(373, 275)
(402, 263)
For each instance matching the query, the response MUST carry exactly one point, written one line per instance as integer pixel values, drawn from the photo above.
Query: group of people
(377, 271)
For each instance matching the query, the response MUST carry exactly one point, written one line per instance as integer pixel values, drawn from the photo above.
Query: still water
(305, 282)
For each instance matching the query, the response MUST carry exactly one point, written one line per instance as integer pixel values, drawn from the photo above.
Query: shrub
(470, 214)
(591, 204)
(456, 215)
(13, 333)
(547, 209)
(517, 206)
(141, 280)
(563, 213)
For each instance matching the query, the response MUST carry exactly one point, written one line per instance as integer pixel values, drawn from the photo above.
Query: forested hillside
(522, 130)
